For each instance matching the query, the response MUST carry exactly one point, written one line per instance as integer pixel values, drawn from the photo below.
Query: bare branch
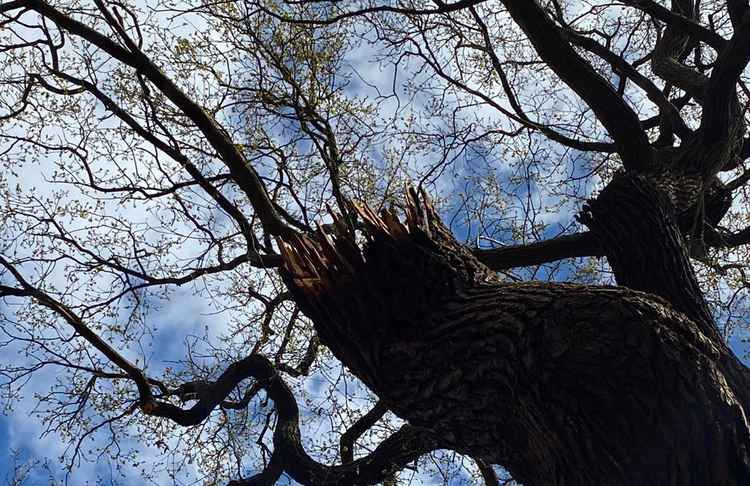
(392, 454)
(441, 9)
(135, 373)
(348, 438)
(243, 174)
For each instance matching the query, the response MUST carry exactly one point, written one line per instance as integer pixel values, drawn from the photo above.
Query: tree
(229, 147)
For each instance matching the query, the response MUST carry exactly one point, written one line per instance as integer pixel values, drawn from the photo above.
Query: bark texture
(559, 383)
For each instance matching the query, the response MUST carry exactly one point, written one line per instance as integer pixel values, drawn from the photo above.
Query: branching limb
(268, 477)
(667, 56)
(585, 244)
(654, 94)
(174, 153)
(679, 21)
(392, 454)
(722, 119)
(732, 240)
(618, 118)
(737, 9)
(28, 290)
(242, 173)
(520, 115)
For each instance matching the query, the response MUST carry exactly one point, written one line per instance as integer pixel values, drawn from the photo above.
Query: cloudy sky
(191, 316)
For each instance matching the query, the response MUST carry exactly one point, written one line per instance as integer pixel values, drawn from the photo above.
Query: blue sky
(183, 315)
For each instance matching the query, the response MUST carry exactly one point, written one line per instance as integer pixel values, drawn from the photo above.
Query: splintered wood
(331, 252)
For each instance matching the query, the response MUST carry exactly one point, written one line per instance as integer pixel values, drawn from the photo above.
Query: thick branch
(679, 21)
(654, 94)
(617, 117)
(586, 243)
(567, 246)
(732, 240)
(721, 122)
(736, 9)
(488, 474)
(392, 454)
(211, 394)
(268, 477)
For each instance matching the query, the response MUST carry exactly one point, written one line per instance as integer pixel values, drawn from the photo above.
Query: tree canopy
(378, 242)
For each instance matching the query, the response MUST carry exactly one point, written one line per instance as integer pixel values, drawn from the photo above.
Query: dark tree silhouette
(558, 383)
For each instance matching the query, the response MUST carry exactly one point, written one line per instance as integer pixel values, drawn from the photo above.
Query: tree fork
(635, 223)
(559, 383)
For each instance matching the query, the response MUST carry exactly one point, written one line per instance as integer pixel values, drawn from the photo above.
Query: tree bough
(548, 380)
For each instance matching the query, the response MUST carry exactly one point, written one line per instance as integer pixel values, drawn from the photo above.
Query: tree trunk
(561, 384)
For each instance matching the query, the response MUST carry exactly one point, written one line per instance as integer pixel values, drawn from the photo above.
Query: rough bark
(561, 384)
(645, 247)
(635, 224)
